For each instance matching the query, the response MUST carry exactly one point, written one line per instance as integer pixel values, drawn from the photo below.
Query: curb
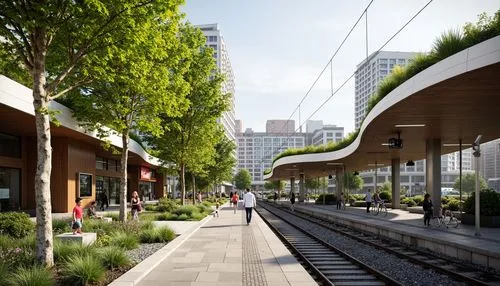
(138, 272)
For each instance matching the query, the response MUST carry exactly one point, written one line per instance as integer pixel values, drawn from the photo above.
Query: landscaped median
(118, 248)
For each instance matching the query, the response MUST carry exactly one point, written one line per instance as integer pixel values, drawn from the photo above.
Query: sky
(278, 48)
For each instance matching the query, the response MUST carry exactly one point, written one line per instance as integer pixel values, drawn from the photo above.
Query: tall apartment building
(215, 41)
(256, 151)
(278, 126)
(369, 74)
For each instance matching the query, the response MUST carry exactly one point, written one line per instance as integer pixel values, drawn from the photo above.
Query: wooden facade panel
(58, 186)
(81, 159)
(159, 192)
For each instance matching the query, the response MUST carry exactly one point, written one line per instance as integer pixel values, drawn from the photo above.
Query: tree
(353, 182)
(386, 187)
(242, 179)
(189, 140)
(61, 45)
(222, 168)
(469, 183)
(132, 91)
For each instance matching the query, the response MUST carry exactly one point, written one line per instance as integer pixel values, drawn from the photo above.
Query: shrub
(166, 234)
(113, 257)
(167, 205)
(4, 273)
(125, 240)
(198, 216)
(386, 196)
(147, 225)
(420, 62)
(163, 234)
(489, 202)
(64, 250)
(32, 276)
(61, 226)
(418, 200)
(81, 270)
(330, 199)
(103, 240)
(16, 225)
(449, 43)
(182, 217)
(359, 204)
(409, 202)
(130, 226)
(187, 210)
(151, 208)
(454, 205)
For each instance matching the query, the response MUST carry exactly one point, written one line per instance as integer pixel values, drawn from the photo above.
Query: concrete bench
(86, 238)
(107, 219)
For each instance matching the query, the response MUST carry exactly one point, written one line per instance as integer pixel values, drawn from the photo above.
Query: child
(77, 216)
(216, 208)
(91, 212)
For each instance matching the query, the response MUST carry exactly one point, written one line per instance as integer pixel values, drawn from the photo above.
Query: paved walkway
(222, 251)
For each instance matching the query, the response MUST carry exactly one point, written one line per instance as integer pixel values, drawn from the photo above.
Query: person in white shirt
(249, 202)
(368, 200)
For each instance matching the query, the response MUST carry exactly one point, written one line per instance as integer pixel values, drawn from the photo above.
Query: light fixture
(410, 163)
(291, 169)
(375, 165)
(455, 144)
(335, 164)
(385, 144)
(408, 125)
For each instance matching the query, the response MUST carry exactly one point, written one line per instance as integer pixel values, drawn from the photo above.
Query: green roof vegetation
(446, 45)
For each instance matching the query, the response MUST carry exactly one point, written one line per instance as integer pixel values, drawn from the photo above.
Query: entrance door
(10, 189)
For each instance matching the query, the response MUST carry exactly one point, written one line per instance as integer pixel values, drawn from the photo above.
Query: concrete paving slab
(216, 254)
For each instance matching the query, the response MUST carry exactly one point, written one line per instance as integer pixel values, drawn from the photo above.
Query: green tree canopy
(469, 183)
(353, 182)
(275, 185)
(222, 168)
(189, 140)
(242, 179)
(62, 45)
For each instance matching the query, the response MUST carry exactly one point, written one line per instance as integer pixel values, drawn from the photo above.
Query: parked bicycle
(446, 218)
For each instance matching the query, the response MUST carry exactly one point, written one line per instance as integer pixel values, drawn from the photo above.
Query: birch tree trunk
(123, 179)
(194, 189)
(44, 243)
(182, 178)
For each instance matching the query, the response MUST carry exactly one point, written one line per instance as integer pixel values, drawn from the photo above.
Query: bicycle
(379, 207)
(446, 218)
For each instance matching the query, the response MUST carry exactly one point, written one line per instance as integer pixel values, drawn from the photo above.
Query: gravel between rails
(143, 251)
(399, 269)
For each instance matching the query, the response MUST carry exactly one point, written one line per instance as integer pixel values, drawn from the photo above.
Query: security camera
(478, 139)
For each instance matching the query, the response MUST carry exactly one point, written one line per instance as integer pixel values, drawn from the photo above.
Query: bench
(86, 238)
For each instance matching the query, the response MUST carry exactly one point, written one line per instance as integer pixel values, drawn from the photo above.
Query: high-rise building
(238, 126)
(256, 151)
(490, 163)
(215, 41)
(278, 126)
(368, 75)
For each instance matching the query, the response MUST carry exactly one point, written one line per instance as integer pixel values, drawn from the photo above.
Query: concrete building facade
(278, 126)
(216, 41)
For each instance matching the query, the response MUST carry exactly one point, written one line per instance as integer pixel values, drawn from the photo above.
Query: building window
(101, 163)
(10, 146)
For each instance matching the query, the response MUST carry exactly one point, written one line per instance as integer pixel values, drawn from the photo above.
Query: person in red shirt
(77, 216)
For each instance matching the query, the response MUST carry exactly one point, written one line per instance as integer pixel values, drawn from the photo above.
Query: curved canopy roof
(457, 98)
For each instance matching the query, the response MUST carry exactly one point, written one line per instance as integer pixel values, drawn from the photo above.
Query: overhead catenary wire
(330, 62)
(353, 74)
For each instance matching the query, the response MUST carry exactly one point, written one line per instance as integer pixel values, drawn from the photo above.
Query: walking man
(368, 200)
(249, 202)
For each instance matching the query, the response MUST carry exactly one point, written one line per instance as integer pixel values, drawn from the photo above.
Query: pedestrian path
(222, 251)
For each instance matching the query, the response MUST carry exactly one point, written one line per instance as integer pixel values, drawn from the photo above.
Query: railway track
(328, 264)
(459, 271)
